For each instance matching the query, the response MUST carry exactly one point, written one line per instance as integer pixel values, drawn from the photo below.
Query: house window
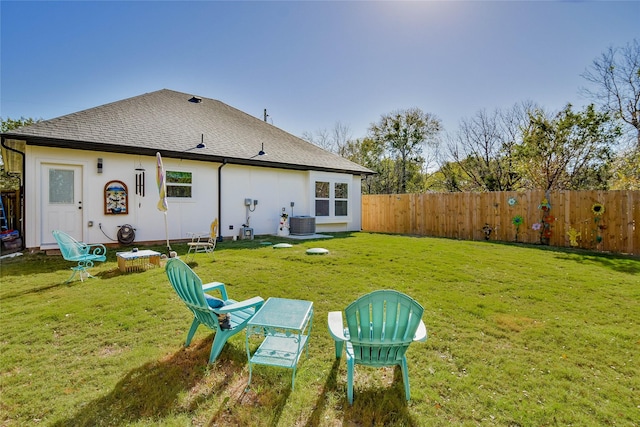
(332, 198)
(179, 184)
(341, 193)
(322, 198)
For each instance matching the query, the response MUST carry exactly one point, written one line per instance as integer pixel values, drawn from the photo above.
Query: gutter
(22, 199)
(224, 162)
(146, 151)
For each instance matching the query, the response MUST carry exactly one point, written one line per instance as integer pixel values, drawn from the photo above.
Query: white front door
(61, 201)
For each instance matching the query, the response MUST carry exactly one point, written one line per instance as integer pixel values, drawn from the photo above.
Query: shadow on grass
(266, 398)
(618, 262)
(154, 389)
(108, 274)
(34, 291)
(330, 384)
(30, 264)
(380, 405)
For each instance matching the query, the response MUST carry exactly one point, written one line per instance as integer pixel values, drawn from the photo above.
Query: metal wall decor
(140, 182)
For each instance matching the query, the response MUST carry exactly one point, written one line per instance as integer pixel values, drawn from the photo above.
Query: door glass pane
(61, 186)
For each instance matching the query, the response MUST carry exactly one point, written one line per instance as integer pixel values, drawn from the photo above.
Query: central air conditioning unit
(302, 225)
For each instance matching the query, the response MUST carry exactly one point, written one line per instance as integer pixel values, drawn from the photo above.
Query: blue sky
(311, 64)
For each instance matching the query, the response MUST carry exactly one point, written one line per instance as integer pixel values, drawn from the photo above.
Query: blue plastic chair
(207, 310)
(380, 327)
(82, 253)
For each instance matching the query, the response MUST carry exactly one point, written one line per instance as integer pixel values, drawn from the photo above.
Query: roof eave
(144, 151)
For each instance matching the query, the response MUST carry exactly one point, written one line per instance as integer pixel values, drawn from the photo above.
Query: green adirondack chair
(82, 253)
(380, 327)
(224, 316)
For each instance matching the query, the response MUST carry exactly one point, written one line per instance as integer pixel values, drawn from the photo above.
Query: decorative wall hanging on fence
(517, 220)
(487, 229)
(598, 210)
(116, 200)
(573, 236)
(544, 226)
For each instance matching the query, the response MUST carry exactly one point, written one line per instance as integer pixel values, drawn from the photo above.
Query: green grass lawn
(518, 336)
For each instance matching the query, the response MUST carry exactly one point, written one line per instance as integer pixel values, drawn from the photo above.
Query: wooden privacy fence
(570, 219)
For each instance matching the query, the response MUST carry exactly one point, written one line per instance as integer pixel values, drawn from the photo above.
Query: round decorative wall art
(597, 209)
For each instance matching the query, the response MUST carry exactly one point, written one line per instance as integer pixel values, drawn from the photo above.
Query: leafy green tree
(7, 181)
(571, 150)
(370, 154)
(483, 149)
(626, 170)
(10, 124)
(449, 178)
(405, 134)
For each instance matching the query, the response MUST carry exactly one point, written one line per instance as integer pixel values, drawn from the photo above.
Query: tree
(626, 170)
(616, 79)
(483, 150)
(572, 150)
(404, 135)
(368, 153)
(333, 140)
(450, 178)
(8, 181)
(10, 124)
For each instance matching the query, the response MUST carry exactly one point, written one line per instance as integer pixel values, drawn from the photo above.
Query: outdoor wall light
(201, 145)
(99, 165)
(260, 153)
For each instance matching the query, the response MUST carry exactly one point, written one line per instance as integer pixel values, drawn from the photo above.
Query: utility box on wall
(246, 233)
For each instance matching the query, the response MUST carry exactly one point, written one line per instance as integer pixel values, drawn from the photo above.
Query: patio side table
(285, 325)
(137, 261)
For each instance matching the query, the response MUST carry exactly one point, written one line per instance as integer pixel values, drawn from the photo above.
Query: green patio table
(285, 324)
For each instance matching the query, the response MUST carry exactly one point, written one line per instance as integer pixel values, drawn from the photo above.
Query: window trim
(332, 180)
(179, 184)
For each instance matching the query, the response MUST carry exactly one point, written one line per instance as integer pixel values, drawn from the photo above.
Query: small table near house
(285, 325)
(138, 260)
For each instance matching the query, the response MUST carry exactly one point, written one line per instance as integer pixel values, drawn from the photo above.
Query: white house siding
(351, 222)
(142, 214)
(273, 188)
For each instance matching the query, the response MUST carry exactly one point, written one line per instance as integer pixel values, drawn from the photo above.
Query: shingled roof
(165, 121)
